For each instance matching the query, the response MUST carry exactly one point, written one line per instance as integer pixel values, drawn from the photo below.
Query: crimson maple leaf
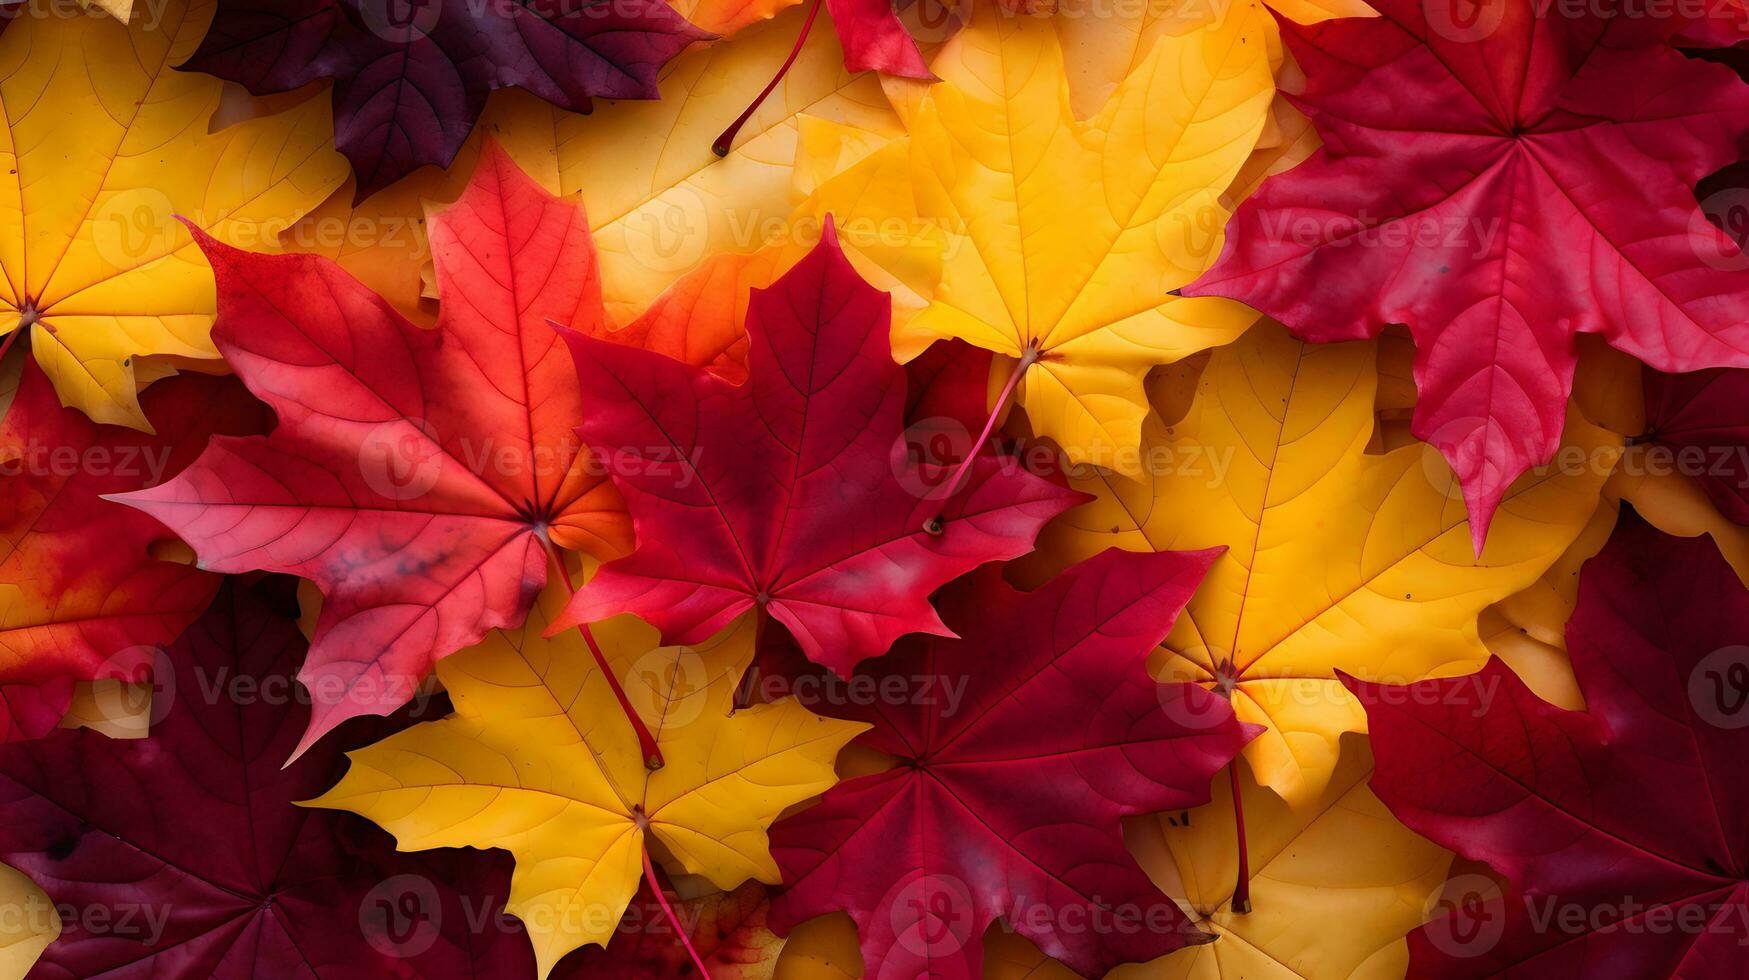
(1499, 182)
(416, 476)
(794, 491)
(81, 595)
(411, 76)
(1019, 750)
(1703, 420)
(1623, 830)
(183, 854)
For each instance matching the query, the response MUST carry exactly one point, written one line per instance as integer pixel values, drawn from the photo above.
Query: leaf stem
(679, 930)
(1028, 358)
(12, 338)
(1241, 903)
(727, 139)
(646, 742)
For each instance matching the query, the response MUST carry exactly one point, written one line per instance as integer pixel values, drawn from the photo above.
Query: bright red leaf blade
(414, 474)
(794, 491)
(1500, 182)
(81, 595)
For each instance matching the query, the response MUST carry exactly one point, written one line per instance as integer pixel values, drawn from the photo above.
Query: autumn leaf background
(772, 490)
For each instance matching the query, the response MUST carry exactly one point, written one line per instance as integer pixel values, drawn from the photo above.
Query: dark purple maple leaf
(183, 854)
(1019, 749)
(411, 76)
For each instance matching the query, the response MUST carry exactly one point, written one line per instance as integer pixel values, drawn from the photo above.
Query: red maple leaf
(795, 491)
(81, 595)
(416, 476)
(411, 76)
(1500, 177)
(1623, 830)
(1019, 750)
(183, 854)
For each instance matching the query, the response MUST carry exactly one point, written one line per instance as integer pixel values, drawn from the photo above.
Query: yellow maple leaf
(1338, 558)
(1335, 884)
(104, 144)
(659, 202)
(538, 760)
(1031, 233)
(28, 923)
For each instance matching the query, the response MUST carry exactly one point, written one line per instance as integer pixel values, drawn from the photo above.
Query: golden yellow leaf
(660, 203)
(1339, 559)
(538, 760)
(1057, 236)
(1335, 884)
(28, 923)
(725, 17)
(1336, 881)
(105, 143)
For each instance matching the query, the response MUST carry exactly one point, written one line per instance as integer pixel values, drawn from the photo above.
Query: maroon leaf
(1623, 831)
(1019, 750)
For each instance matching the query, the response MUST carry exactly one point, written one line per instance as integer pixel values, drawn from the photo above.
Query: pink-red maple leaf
(81, 595)
(184, 854)
(415, 476)
(1622, 830)
(793, 491)
(411, 76)
(1019, 749)
(1500, 181)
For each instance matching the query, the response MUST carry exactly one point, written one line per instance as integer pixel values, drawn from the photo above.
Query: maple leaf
(536, 760)
(409, 84)
(1103, 44)
(1339, 558)
(727, 929)
(1006, 798)
(1702, 421)
(792, 492)
(23, 935)
(102, 144)
(1057, 243)
(1604, 821)
(102, 826)
(416, 476)
(81, 593)
(1336, 883)
(1459, 176)
(660, 203)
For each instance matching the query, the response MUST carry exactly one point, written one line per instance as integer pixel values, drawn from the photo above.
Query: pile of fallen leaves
(888, 488)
